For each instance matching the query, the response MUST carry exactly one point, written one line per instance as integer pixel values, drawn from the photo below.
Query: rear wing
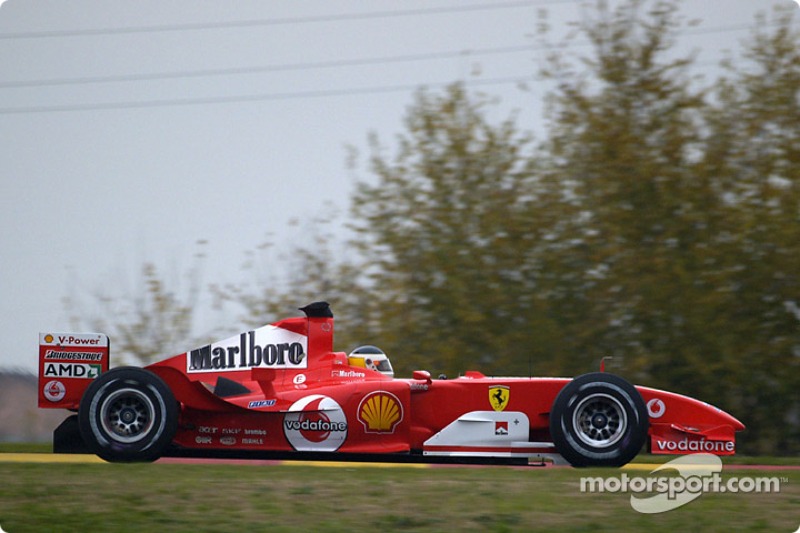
(68, 362)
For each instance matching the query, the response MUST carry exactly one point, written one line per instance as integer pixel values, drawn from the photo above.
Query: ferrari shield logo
(498, 397)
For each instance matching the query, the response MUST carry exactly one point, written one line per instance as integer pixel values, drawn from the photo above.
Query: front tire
(128, 414)
(598, 419)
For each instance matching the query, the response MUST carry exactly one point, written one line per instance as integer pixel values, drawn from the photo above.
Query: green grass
(732, 460)
(15, 447)
(38, 497)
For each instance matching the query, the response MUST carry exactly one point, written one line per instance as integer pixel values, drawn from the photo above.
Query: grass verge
(357, 497)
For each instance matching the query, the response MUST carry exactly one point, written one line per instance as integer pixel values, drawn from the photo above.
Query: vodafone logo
(656, 408)
(699, 445)
(54, 391)
(315, 424)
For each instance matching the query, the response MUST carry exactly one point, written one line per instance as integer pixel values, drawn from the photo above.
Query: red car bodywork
(282, 389)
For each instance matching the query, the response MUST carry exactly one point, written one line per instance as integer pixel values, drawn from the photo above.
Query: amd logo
(71, 370)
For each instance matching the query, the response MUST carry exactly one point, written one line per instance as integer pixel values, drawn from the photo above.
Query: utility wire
(284, 21)
(299, 66)
(323, 93)
(406, 58)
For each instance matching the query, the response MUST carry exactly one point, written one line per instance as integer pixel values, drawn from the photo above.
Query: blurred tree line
(657, 221)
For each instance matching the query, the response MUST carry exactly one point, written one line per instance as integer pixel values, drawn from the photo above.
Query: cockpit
(371, 358)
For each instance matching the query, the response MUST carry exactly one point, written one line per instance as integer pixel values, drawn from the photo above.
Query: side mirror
(422, 375)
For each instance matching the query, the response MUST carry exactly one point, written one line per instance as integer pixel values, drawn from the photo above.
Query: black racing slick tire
(128, 414)
(598, 419)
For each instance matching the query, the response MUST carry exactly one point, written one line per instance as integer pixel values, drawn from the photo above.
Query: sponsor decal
(348, 374)
(73, 339)
(656, 408)
(78, 341)
(299, 379)
(501, 428)
(267, 347)
(380, 412)
(253, 441)
(73, 356)
(498, 397)
(315, 424)
(261, 403)
(227, 436)
(54, 391)
(71, 370)
(695, 445)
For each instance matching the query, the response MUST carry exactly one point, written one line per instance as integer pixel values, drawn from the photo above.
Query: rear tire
(128, 414)
(598, 419)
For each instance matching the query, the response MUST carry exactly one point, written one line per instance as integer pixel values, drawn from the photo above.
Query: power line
(283, 21)
(405, 58)
(286, 20)
(322, 93)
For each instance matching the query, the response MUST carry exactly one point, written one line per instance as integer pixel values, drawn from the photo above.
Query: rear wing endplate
(68, 362)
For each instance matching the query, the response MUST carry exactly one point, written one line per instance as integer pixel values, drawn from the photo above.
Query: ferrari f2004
(281, 390)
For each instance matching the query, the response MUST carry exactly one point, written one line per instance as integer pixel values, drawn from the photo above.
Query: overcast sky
(131, 130)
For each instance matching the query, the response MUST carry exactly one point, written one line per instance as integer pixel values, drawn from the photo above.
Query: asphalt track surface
(85, 458)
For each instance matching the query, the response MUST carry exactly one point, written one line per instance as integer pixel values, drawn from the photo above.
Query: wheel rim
(599, 420)
(127, 415)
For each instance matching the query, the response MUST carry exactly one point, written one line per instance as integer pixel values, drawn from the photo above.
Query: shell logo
(380, 412)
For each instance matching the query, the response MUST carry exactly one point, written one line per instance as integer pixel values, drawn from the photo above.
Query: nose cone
(733, 421)
(723, 418)
(671, 408)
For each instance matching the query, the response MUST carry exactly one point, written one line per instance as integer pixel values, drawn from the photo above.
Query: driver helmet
(372, 358)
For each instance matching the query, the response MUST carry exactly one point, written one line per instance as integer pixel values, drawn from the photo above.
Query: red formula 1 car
(281, 391)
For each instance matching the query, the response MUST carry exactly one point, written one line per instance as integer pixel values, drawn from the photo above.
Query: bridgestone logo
(73, 356)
